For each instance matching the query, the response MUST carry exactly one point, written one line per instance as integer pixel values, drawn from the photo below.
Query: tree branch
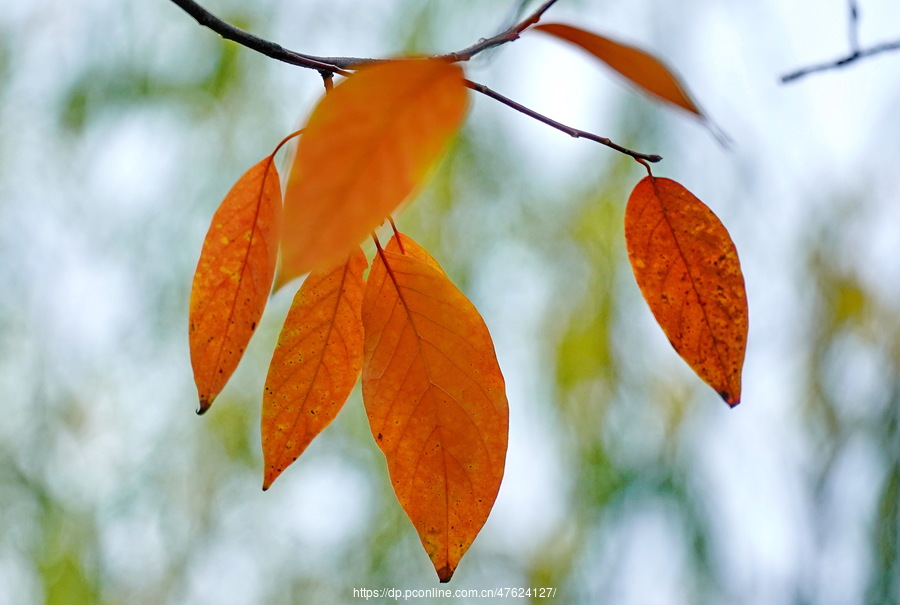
(334, 65)
(853, 29)
(572, 132)
(838, 63)
(269, 49)
(502, 38)
(327, 66)
(856, 53)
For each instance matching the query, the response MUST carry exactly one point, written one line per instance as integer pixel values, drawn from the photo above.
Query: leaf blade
(233, 277)
(688, 271)
(436, 401)
(316, 363)
(366, 147)
(639, 67)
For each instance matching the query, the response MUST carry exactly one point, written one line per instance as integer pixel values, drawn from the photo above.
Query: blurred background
(123, 125)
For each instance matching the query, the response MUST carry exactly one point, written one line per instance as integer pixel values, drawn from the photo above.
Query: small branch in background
(838, 63)
(856, 52)
(572, 132)
(853, 31)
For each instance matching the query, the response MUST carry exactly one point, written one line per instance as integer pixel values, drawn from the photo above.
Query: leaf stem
(397, 234)
(390, 271)
(569, 130)
(645, 165)
(285, 140)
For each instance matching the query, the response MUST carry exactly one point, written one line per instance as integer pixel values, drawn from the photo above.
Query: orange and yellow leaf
(435, 398)
(688, 271)
(368, 145)
(234, 277)
(642, 69)
(316, 363)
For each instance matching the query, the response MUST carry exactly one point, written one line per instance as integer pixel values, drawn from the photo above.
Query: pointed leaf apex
(729, 399)
(445, 573)
(269, 477)
(205, 403)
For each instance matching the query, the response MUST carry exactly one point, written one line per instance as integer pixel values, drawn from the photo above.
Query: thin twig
(502, 38)
(569, 130)
(856, 53)
(837, 63)
(270, 49)
(338, 65)
(853, 30)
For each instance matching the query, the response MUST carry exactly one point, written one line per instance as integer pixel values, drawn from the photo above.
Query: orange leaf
(368, 144)
(435, 398)
(406, 245)
(316, 362)
(688, 271)
(234, 277)
(642, 69)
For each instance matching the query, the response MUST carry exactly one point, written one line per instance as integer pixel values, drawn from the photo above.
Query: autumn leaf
(316, 363)
(367, 146)
(435, 399)
(688, 271)
(234, 277)
(642, 69)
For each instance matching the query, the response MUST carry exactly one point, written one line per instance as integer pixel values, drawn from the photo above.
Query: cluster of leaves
(431, 383)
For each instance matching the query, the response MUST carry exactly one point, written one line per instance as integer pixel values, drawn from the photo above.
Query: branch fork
(328, 66)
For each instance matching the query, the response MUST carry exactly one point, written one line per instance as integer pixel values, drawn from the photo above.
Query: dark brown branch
(572, 132)
(269, 49)
(502, 38)
(838, 63)
(332, 65)
(327, 66)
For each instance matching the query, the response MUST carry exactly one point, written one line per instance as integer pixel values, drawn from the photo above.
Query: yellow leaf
(316, 362)
(367, 146)
(435, 398)
(233, 278)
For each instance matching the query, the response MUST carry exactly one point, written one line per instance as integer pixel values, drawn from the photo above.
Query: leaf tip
(731, 400)
(205, 404)
(445, 573)
(269, 478)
